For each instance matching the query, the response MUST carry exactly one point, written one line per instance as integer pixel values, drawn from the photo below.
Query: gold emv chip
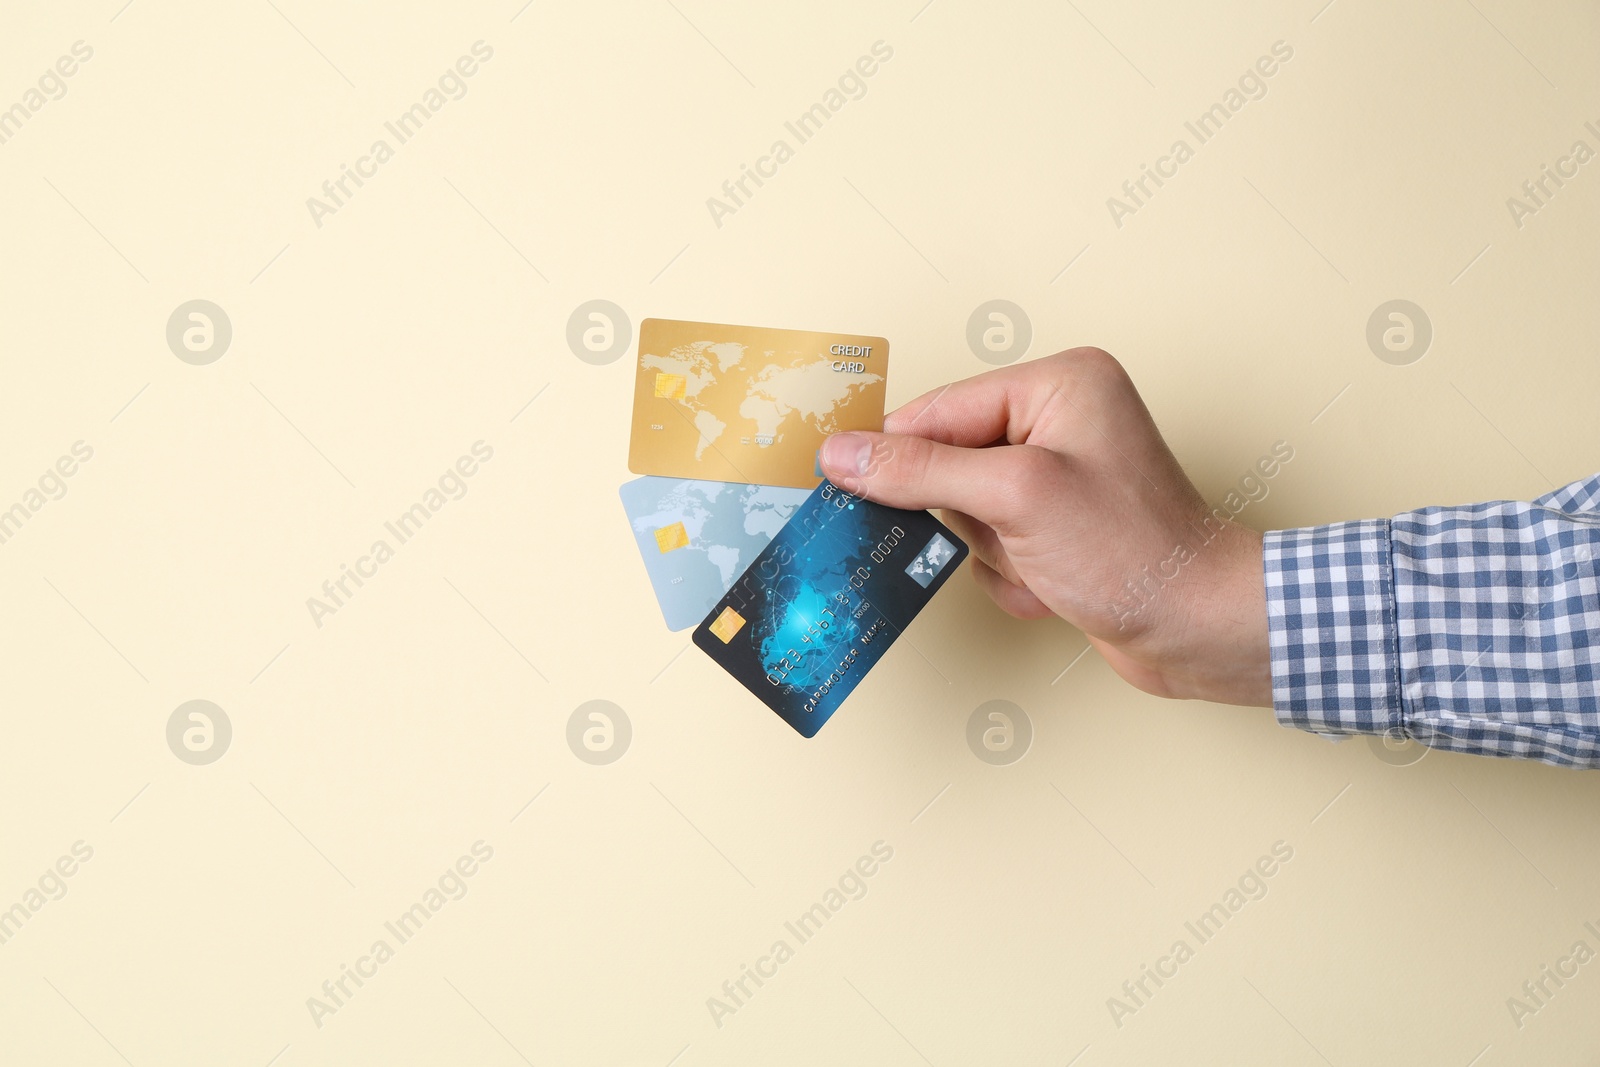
(671, 386)
(727, 624)
(671, 537)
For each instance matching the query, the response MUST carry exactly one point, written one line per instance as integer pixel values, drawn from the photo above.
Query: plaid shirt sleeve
(1471, 628)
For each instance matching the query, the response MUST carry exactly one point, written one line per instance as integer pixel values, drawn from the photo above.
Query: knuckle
(886, 453)
(1100, 363)
(894, 463)
(1089, 362)
(911, 458)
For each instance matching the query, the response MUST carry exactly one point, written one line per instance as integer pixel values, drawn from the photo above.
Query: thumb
(909, 472)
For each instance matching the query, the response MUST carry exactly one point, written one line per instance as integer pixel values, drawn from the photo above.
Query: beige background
(368, 754)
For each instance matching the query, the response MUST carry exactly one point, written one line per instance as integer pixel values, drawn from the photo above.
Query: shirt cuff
(1331, 628)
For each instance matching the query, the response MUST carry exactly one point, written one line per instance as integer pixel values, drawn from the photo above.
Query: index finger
(998, 406)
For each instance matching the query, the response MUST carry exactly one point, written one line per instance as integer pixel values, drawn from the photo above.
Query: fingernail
(847, 453)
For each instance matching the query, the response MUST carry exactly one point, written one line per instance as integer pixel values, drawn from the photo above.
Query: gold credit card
(747, 404)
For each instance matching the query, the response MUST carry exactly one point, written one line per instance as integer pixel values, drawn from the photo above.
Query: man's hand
(1055, 474)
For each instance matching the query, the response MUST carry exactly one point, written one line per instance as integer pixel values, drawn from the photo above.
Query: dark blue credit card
(824, 601)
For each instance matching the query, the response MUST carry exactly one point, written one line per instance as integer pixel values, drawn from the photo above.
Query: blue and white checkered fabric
(1471, 628)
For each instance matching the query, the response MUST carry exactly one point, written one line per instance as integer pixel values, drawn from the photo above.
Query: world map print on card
(745, 404)
(696, 537)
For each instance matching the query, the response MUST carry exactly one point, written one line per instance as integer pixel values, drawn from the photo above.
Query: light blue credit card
(696, 536)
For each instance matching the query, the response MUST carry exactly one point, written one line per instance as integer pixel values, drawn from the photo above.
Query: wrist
(1223, 654)
(1208, 640)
